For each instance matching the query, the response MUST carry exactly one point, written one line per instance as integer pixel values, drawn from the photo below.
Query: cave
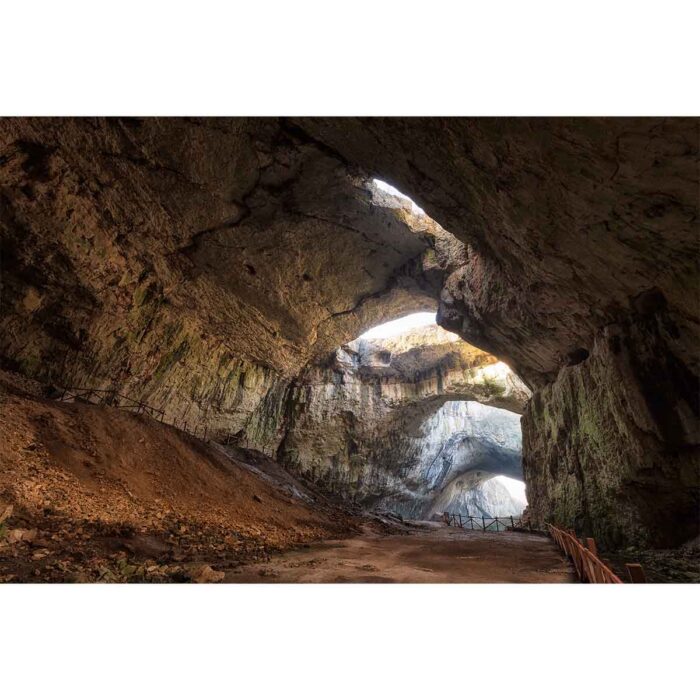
(189, 367)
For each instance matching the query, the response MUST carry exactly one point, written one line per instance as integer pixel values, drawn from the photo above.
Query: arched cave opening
(410, 419)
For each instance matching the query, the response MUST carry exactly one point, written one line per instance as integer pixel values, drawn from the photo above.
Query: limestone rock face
(566, 222)
(609, 446)
(196, 264)
(488, 499)
(576, 230)
(393, 423)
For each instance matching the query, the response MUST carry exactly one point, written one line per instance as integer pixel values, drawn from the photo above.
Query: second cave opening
(412, 419)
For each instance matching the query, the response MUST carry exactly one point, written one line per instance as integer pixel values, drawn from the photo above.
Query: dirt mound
(112, 494)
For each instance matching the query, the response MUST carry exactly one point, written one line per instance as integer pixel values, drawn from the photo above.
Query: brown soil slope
(98, 493)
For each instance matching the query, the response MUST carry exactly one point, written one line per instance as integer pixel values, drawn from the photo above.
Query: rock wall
(610, 445)
(570, 226)
(196, 264)
(488, 499)
(565, 221)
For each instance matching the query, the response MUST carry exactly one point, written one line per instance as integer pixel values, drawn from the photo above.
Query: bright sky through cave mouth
(516, 488)
(400, 325)
(390, 189)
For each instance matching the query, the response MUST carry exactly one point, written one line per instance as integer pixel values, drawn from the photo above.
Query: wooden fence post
(483, 523)
(636, 573)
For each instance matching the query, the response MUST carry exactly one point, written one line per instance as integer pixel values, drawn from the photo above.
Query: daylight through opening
(450, 413)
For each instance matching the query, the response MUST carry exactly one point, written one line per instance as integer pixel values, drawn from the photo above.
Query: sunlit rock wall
(392, 423)
(488, 499)
(450, 460)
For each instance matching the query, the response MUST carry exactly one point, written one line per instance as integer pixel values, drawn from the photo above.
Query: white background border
(369, 58)
(365, 57)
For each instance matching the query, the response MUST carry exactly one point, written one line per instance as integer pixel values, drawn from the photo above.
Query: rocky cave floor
(91, 493)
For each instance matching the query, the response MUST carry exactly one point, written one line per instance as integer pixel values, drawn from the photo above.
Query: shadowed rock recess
(220, 269)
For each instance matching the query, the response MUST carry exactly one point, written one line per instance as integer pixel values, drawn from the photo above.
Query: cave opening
(515, 487)
(471, 458)
(400, 325)
(390, 189)
(435, 423)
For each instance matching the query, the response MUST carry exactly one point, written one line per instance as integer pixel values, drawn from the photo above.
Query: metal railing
(111, 397)
(472, 522)
(589, 567)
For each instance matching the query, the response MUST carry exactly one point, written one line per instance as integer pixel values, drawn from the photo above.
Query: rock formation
(578, 231)
(489, 499)
(196, 263)
(207, 265)
(394, 423)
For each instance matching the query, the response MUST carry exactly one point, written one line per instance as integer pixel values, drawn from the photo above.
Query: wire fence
(111, 397)
(584, 555)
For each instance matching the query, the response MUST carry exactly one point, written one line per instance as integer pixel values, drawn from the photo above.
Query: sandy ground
(429, 553)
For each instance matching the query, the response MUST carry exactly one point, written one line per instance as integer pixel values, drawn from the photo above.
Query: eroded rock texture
(395, 423)
(486, 499)
(203, 264)
(198, 264)
(567, 221)
(612, 442)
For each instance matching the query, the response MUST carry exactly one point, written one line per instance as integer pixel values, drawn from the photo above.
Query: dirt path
(434, 553)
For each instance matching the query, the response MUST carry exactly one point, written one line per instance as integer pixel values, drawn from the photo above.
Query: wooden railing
(110, 397)
(588, 566)
(472, 522)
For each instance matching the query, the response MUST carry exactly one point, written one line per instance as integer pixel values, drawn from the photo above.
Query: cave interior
(229, 273)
